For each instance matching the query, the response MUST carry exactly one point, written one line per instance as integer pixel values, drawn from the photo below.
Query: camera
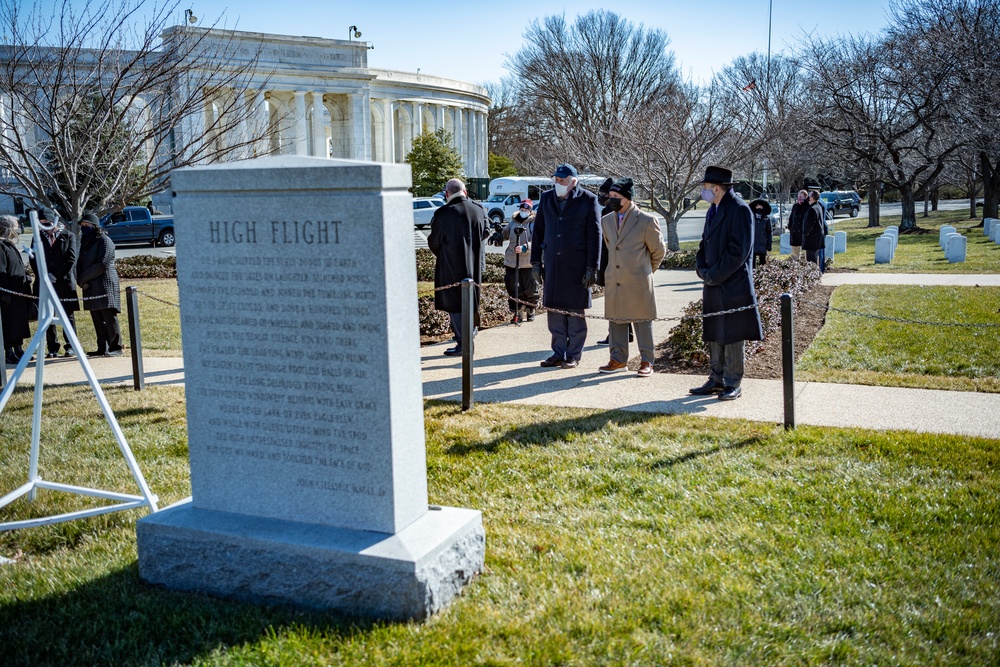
(518, 230)
(496, 238)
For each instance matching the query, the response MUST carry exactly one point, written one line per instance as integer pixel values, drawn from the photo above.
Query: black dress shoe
(97, 353)
(552, 362)
(730, 394)
(453, 351)
(571, 363)
(605, 341)
(707, 389)
(51, 355)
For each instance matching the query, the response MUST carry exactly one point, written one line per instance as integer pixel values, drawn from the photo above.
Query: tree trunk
(909, 220)
(935, 196)
(927, 202)
(673, 242)
(991, 185)
(874, 199)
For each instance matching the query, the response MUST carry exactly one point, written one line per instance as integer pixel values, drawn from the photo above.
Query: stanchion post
(135, 338)
(788, 358)
(468, 316)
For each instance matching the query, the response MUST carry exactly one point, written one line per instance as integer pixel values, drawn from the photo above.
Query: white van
(506, 194)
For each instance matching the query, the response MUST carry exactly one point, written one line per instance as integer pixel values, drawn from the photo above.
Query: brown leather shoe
(571, 363)
(612, 367)
(645, 369)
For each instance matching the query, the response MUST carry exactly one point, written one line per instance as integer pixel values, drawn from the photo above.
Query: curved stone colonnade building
(318, 97)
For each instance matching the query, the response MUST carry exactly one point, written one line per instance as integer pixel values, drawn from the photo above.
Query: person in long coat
(762, 239)
(635, 250)
(60, 248)
(456, 239)
(724, 264)
(565, 251)
(13, 281)
(795, 221)
(814, 231)
(97, 277)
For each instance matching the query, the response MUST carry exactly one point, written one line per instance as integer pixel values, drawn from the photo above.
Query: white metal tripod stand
(50, 311)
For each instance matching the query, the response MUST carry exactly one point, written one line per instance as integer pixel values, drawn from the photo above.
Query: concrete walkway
(507, 370)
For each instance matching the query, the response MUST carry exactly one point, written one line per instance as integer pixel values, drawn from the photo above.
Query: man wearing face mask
(723, 263)
(565, 252)
(795, 222)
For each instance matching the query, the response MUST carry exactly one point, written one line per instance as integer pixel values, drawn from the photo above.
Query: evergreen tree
(501, 165)
(434, 161)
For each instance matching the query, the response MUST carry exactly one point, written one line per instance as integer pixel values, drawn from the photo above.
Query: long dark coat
(96, 274)
(13, 309)
(456, 239)
(724, 263)
(60, 260)
(567, 243)
(762, 233)
(814, 228)
(795, 221)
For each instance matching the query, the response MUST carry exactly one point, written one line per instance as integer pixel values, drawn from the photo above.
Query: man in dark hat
(723, 263)
(762, 231)
(603, 198)
(565, 251)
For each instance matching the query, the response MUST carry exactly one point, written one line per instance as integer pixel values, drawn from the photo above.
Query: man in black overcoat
(456, 239)
(724, 264)
(60, 259)
(565, 253)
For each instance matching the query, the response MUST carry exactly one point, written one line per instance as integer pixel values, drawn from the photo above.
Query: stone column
(193, 125)
(242, 112)
(484, 168)
(389, 131)
(261, 125)
(319, 147)
(300, 146)
(361, 125)
(457, 125)
(475, 140)
(418, 121)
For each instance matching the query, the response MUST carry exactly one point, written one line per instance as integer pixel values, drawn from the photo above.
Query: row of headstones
(991, 227)
(885, 245)
(835, 243)
(953, 244)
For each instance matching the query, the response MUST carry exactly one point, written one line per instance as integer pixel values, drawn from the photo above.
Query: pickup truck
(135, 224)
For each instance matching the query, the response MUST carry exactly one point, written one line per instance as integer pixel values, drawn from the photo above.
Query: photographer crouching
(517, 260)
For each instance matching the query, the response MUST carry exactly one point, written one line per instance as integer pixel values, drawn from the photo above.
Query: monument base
(409, 575)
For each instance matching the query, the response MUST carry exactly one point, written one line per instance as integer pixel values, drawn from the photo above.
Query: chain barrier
(606, 319)
(156, 298)
(900, 320)
(34, 297)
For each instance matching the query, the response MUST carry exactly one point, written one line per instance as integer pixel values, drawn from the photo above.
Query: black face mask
(87, 230)
(603, 200)
(614, 204)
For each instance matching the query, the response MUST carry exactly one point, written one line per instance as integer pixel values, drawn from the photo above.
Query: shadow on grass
(119, 620)
(550, 432)
(701, 453)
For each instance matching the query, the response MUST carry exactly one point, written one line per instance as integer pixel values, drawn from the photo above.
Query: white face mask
(708, 195)
(561, 190)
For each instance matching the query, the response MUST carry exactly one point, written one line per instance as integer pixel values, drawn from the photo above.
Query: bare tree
(878, 102)
(961, 38)
(100, 103)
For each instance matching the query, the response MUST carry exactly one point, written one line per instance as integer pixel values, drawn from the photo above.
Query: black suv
(842, 200)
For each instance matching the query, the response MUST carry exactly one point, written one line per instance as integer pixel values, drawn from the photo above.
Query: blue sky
(469, 41)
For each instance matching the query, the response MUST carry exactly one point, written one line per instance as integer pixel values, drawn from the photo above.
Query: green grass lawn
(856, 350)
(612, 539)
(917, 253)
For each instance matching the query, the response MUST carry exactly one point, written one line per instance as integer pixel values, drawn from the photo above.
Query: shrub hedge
(146, 266)
(796, 277)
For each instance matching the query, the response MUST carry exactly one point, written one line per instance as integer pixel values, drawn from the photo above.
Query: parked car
(841, 200)
(423, 210)
(135, 224)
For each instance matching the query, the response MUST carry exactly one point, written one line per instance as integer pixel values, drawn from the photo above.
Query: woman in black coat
(762, 231)
(795, 222)
(814, 230)
(60, 259)
(13, 281)
(96, 275)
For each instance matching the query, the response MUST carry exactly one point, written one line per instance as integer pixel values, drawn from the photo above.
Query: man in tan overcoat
(635, 250)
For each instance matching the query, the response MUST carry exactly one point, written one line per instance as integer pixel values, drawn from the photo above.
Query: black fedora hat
(718, 176)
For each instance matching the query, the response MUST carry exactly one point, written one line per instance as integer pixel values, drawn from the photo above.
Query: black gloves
(590, 278)
(536, 272)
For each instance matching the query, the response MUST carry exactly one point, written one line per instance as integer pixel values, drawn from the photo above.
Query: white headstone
(988, 225)
(995, 233)
(785, 244)
(305, 410)
(830, 247)
(956, 248)
(883, 249)
(841, 241)
(943, 234)
(893, 233)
